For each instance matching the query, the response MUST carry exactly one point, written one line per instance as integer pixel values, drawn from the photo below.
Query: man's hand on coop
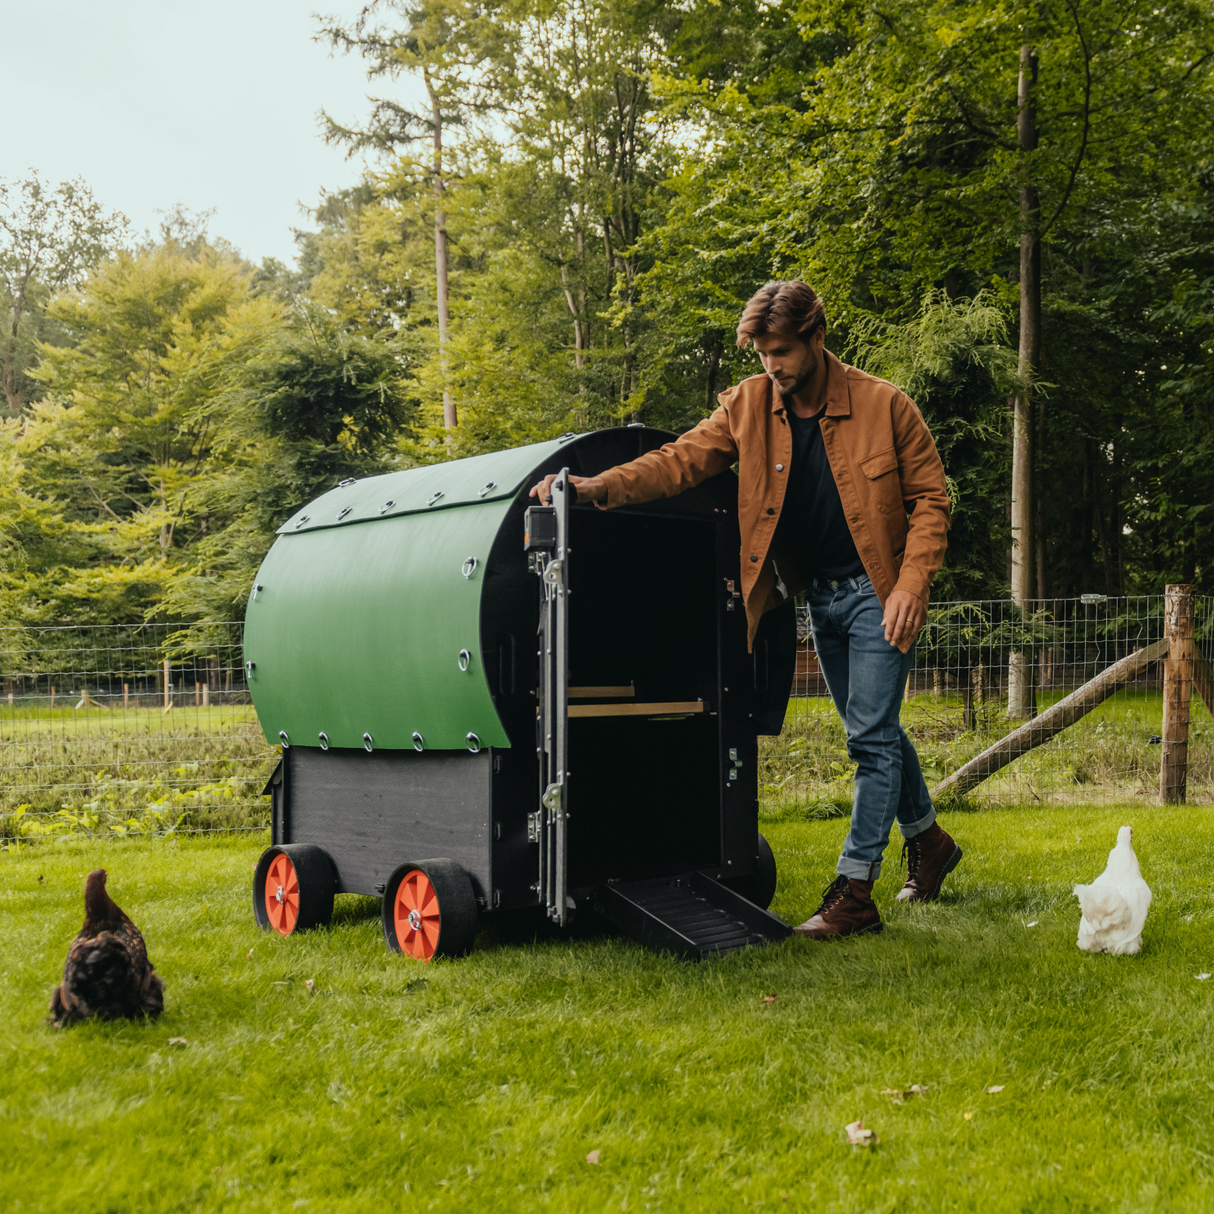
(589, 488)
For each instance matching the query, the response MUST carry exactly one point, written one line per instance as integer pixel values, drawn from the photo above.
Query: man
(831, 462)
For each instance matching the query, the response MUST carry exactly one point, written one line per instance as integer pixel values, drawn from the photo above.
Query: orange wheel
(293, 887)
(429, 910)
(416, 916)
(282, 895)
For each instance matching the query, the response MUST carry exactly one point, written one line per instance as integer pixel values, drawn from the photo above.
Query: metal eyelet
(465, 659)
(468, 568)
(282, 737)
(343, 512)
(474, 743)
(387, 505)
(368, 743)
(566, 437)
(485, 488)
(249, 668)
(350, 480)
(434, 497)
(324, 740)
(303, 518)
(419, 743)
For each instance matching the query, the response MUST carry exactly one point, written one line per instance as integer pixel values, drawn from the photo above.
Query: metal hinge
(534, 826)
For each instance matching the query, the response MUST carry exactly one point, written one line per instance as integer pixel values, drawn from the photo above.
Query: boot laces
(834, 893)
(910, 857)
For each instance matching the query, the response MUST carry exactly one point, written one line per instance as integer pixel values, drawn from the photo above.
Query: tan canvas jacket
(890, 480)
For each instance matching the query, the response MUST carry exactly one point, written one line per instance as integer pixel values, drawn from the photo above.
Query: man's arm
(703, 451)
(925, 492)
(923, 488)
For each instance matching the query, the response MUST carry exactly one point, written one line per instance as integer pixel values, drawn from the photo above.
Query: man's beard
(802, 381)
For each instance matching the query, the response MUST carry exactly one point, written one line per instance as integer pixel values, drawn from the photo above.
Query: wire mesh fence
(150, 729)
(121, 730)
(981, 668)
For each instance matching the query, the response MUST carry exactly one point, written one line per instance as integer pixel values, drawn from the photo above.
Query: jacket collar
(838, 398)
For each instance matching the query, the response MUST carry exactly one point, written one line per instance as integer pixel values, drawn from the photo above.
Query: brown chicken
(108, 974)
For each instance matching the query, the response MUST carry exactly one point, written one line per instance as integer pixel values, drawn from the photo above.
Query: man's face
(790, 363)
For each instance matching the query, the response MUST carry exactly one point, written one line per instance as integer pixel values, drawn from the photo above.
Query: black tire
(760, 886)
(424, 926)
(307, 906)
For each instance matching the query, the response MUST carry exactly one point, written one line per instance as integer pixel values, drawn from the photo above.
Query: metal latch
(554, 573)
(552, 797)
(534, 827)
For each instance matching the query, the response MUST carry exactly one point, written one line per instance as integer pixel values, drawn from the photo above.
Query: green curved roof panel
(359, 629)
(494, 477)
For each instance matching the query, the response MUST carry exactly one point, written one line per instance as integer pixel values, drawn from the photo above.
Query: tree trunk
(1019, 669)
(450, 420)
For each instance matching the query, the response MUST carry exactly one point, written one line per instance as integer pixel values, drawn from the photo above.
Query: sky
(207, 105)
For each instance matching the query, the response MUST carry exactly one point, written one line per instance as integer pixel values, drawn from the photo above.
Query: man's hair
(781, 307)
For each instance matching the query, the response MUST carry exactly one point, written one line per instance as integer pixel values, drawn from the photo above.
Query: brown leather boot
(847, 909)
(930, 857)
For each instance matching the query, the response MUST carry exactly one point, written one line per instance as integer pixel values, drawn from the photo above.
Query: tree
(123, 439)
(447, 43)
(49, 237)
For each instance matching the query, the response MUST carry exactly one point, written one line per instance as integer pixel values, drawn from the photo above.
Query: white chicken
(1115, 905)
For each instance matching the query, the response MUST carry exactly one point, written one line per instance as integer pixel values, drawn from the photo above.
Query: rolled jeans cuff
(911, 829)
(858, 870)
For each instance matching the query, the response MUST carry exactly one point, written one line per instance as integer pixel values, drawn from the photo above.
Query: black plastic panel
(371, 812)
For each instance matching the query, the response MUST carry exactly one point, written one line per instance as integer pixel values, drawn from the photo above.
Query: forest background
(1006, 207)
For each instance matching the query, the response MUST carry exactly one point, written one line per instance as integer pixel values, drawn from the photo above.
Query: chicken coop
(487, 704)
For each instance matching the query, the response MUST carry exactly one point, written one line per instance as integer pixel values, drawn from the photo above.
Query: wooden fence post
(1178, 618)
(168, 686)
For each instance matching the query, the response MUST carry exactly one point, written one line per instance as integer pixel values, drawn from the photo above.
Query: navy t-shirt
(813, 528)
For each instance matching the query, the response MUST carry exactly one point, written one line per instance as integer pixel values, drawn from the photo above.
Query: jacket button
(770, 510)
(779, 467)
(753, 557)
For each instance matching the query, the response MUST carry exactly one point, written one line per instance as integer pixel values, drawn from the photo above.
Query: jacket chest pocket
(881, 470)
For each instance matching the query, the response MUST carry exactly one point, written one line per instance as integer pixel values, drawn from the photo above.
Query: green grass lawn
(483, 1084)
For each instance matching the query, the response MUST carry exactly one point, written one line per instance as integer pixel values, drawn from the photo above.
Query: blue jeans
(866, 676)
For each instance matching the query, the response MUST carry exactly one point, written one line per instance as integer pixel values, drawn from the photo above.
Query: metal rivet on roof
(468, 568)
(387, 505)
(324, 740)
(303, 518)
(465, 659)
(485, 488)
(368, 743)
(419, 743)
(434, 497)
(344, 511)
(474, 743)
(282, 736)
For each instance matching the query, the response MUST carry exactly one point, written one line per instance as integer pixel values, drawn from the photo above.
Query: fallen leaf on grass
(311, 985)
(250, 956)
(919, 1088)
(1033, 924)
(997, 1087)
(418, 984)
(178, 1041)
(768, 999)
(1202, 977)
(858, 1136)
(969, 1117)
(593, 1157)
